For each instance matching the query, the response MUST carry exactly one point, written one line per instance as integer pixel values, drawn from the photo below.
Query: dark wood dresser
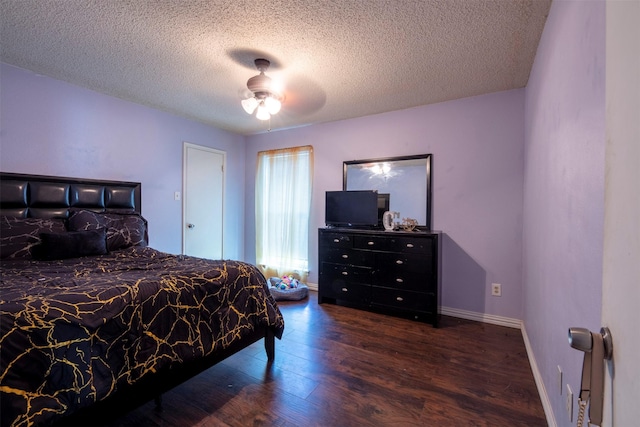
(390, 271)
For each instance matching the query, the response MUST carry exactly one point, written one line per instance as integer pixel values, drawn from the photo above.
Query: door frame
(185, 146)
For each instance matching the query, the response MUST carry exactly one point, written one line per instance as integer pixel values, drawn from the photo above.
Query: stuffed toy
(287, 288)
(288, 282)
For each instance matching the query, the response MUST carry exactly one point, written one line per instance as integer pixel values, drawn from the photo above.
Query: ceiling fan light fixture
(272, 104)
(264, 99)
(263, 113)
(249, 105)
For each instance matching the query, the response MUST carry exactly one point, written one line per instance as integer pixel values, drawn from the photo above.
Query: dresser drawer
(347, 273)
(345, 282)
(348, 256)
(412, 245)
(403, 280)
(404, 271)
(335, 240)
(374, 243)
(351, 292)
(392, 262)
(402, 299)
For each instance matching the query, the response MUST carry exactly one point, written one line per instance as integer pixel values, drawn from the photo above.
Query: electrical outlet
(569, 403)
(560, 379)
(496, 289)
(176, 195)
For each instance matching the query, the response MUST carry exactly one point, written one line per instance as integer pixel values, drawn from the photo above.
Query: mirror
(406, 179)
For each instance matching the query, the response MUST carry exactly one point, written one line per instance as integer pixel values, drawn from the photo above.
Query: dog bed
(287, 294)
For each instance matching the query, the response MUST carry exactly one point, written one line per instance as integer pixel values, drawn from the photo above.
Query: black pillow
(72, 244)
(20, 236)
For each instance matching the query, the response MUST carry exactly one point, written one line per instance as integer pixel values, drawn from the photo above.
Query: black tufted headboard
(39, 196)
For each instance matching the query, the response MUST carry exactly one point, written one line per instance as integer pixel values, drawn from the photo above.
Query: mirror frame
(428, 159)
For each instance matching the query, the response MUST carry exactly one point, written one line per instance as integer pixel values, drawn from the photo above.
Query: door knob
(191, 225)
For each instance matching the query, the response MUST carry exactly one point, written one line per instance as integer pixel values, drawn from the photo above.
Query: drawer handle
(399, 280)
(345, 256)
(370, 243)
(409, 245)
(336, 240)
(399, 262)
(345, 290)
(399, 299)
(344, 273)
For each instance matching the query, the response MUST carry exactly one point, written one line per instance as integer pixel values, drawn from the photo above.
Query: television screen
(351, 208)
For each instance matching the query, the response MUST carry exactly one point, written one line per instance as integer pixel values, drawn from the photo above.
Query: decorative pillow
(18, 236)
(72, 244)
(123, 229)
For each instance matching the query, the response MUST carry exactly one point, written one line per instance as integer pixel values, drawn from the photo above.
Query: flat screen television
(351, 209)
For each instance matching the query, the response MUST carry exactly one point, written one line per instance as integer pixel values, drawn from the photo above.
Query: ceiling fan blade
(302, 96)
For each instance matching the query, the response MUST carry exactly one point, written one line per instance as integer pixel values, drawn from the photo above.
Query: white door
(203, 201)
(621, 267)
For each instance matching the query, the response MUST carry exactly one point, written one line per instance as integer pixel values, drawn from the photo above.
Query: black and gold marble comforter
(74, 330)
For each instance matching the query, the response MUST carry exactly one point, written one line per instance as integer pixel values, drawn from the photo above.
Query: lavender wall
(50, 127)
(564, 190)
(55, 128)
(478, 148)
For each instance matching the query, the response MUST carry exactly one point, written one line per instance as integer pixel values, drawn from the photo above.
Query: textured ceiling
(336, 59)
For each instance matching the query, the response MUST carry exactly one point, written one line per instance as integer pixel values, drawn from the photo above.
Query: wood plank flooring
(337, 366)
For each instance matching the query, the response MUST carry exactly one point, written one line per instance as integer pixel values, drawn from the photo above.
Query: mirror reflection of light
(383, 169)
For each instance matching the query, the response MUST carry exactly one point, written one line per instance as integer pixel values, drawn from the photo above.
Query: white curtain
(283, 203)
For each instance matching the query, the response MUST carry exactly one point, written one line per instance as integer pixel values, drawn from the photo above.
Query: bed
(90, 313)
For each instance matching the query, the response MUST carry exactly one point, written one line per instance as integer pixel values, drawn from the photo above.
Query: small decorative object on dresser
(387, 220)
(409, 224)
(397, 272)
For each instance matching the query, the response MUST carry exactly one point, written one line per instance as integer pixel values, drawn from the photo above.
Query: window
(283, 203)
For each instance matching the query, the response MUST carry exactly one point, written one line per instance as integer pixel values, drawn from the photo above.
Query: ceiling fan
(266, 101)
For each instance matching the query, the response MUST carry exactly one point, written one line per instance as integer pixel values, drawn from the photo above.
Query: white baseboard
(542, 391)
(482, 317)
(312, 286)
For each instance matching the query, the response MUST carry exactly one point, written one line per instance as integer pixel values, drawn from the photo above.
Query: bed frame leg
(158, 402)
(269, 345)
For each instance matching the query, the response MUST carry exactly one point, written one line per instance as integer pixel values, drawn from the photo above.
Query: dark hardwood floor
(337, 366)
